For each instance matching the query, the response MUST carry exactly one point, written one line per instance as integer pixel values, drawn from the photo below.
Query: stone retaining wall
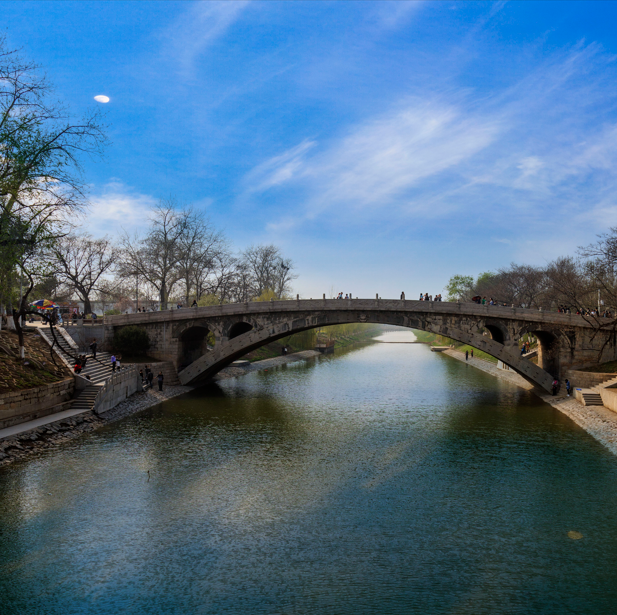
(30, 404)
(587, 380)
(120, 386)
(609, 399)
(83, 335)
(170, 374)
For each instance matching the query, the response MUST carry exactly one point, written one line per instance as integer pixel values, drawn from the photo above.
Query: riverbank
(597, 421)
(34, 441)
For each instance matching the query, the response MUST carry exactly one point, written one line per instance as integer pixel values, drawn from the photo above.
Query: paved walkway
(7, 432)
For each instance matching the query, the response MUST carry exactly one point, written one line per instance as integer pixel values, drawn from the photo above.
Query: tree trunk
(20, 333)
(87, 305)
(10, 325)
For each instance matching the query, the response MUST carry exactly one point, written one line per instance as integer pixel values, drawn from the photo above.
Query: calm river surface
(386, 480)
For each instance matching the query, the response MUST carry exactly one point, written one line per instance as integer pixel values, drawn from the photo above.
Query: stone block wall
(609, 399)
(29, 404)
(587, 380)
(163, 345)
(120, 386)
(170, 373)
(83, 335)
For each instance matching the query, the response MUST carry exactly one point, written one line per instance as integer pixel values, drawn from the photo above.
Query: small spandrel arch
(239, 328)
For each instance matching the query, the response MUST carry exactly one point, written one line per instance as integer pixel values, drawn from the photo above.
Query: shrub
(131, 340)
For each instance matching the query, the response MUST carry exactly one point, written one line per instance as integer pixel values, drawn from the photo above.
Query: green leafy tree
(459, 288)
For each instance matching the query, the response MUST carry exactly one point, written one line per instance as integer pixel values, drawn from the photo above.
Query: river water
(386, 480)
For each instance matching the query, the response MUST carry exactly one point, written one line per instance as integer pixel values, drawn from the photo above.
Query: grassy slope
(15, 375)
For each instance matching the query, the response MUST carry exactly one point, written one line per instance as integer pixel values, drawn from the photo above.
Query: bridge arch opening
(193, 345)
(239, 328)
(225, 355)
(548, 352)
(497, 333)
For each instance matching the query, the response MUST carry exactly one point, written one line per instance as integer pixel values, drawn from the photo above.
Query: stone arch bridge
(180, 336)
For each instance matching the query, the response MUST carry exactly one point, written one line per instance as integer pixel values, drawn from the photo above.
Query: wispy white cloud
(198, 28)
(384, 158)
(524, 150)
(117, 208)
(377, 162)
(279, 169)
(394, 13)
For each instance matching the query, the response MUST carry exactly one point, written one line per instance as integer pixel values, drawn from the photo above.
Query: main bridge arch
(243, 337)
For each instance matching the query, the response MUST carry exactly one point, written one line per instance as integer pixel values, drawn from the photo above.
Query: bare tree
(201, 251)
(267, 270)
(81, 262)
(155, 257)
(522, 285)
(40, 172)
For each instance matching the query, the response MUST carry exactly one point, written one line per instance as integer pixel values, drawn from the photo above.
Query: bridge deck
(303, 305)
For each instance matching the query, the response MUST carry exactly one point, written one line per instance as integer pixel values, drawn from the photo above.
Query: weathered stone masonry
(180, 336)
(30, 404)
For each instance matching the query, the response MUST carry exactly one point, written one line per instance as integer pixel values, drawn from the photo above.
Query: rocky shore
(29, 443)
(597, 421)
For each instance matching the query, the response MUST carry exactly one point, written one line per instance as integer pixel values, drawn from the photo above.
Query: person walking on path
(466, 355)
(149, 376)
(159, 379)
(472, 353)
(93, 347)
(113, 362)
(568, 387)
(555, 386)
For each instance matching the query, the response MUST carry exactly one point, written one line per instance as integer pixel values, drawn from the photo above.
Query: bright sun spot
(101, 98)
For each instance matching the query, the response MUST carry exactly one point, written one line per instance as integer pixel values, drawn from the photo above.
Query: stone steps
(605, 385)
(591, 398)
(85, 400)
(98, 369)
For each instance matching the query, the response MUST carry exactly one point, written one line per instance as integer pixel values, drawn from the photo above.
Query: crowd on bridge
(562, 309)
(426, 297)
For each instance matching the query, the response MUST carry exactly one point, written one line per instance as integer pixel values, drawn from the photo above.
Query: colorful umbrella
(44, 304)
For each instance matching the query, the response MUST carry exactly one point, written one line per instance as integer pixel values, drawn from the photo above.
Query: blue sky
(384, 146)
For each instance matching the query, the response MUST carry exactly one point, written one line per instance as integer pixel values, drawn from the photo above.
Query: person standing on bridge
(159, 379)
(403, 296)
(113, 362)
